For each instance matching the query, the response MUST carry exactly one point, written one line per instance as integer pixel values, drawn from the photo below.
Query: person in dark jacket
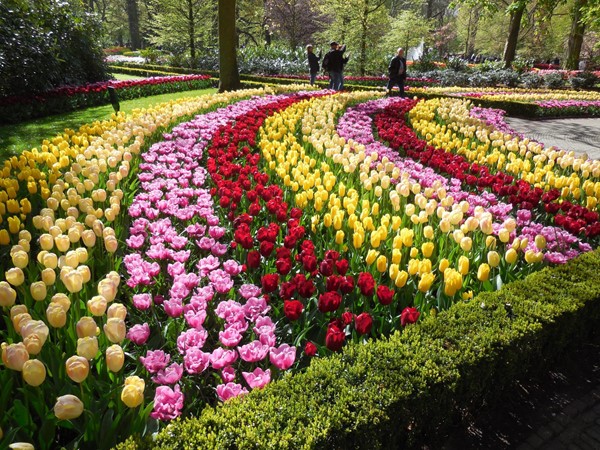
(397, 71)
(313, 63)
(333, 62)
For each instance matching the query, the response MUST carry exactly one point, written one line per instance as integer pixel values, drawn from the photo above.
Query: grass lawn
(15, 138)
(122, 76)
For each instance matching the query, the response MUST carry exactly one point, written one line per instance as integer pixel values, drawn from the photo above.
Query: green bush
(554, 80)
(406, 390)
(44, 45)
(583, 80)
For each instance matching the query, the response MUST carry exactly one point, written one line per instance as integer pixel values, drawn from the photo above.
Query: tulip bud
(428, 232)
(46, 242)
(85, 273)
(73, 281)
(115, 330)
(493, 258)
(19, 320)
(38, 291)
(115, 358)
(87, 347)
(62, 243)
(78, 368)
(530, 257)
(56, 315)
(463, 265)
(540, 242)
(490, 242)
(7, 294)
(34, 372)
(15, 276)
(89, 238)
(111, 244)
(62, 300)
(427, 249)
(48, 276)
(401, 279)
(97, 305)
(14, 356)
(35, 327)
(20, 259)
(108, 289)
(49, 260)
(511, 256)
(68, 407)
(17, 309)
(133, 391)
(483, 273)
(425, 282)
(466, 244)
(86, 326)
(82, 254)
(72, 259)
(503, 235)
(33, 344)
(21, 446)
(117, 310)
(444, 264)
(381, 264)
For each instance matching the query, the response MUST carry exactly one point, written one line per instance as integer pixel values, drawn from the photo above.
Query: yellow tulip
(426, 281)
(493, 258)
(117, 310)
(540, 242)
(371, 256)
(466, 244)
(511, 256)
(86, 326)
(78, 368)
(20, 259)
(114, 329)
(97, 305)
(14, 356)
(34, 372)
(463, 265)
(68, 407)
(401, 279)
(115, 358)
(38, 291)
(483, 272)
(56, 315)
(87, 347)
(133, 392)
(15, 276)
(62, 300)
(381, 264)
(444, 264)
(7, 295)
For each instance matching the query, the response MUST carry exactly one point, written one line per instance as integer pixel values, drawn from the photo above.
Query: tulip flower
(7, 295)
(87, 347)
(97, 305)
(34, 372)
(115, 358)
(133, 392)
(511, 256)
(493, 258)
(77, 368)
(68, 407)
(483, 272)
(114, 329)
(38, 291)
(86, 326)
(463, 265)
(15, 276)
(14, 356)
(56, 315)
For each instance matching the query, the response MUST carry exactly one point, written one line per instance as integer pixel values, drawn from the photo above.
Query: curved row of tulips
(260, 235)
(64, 311)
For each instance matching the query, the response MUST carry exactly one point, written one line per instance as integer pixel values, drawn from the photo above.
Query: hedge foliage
(404, 391)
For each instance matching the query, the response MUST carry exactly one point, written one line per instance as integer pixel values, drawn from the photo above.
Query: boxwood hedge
(405, 390)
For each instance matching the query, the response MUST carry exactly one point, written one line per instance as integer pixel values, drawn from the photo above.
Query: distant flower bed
(111, 59)
(67, 98)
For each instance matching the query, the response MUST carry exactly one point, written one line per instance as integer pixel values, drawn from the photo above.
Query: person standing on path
(333, 62)
(397, 72)
(313, 63)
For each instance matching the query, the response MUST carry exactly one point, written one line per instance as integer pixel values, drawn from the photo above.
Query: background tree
(295, 21)
(575, 41)
(183, 26)
(44, 44)
(135, 38)
(408, 30)
(229, 77)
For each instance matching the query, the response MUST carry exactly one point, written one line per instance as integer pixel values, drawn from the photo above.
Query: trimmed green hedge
(404, 391)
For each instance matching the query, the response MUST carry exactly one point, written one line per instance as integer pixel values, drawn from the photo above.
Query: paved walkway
(558, 409)
(580, 135)
(554, 410)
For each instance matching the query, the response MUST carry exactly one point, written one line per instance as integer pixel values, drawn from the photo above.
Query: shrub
(508, 78)
(405, 391)
(583, 80)
(532, 80)
(424, 64)
(554, 80)
(457, 64)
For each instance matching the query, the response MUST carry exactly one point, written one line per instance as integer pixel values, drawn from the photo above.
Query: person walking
(333, 63)
(313, 63)
(397, 71)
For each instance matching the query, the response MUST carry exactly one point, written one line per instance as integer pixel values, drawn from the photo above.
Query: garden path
(581, 135)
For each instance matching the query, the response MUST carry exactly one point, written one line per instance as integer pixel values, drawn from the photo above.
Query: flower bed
(280, 229)
(67, 98)
(524, 102)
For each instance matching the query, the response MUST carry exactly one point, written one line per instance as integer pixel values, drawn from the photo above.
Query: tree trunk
(472, 31)
(575, 36)
(229, 77)
(363, 41)
(192, 32)
(134, 25)
(510, 49)
(429, 10)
